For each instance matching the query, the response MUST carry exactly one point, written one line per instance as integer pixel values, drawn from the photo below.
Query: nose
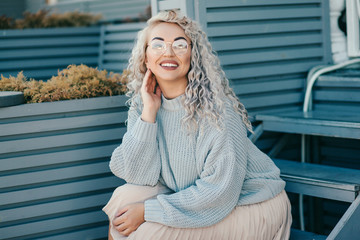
(168, 50)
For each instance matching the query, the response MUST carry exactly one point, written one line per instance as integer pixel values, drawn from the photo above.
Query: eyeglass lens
(179, 46)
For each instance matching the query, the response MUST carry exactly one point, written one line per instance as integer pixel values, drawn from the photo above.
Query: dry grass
(74, 82)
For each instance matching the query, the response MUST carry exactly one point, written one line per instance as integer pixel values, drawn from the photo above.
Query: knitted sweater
(210, 171)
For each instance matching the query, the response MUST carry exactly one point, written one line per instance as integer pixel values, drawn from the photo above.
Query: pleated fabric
(270, 219)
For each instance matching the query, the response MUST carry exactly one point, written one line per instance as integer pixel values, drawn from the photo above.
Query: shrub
(72, 19)
(74, 82)
(42, 19)
(32, 20)
(6, 22)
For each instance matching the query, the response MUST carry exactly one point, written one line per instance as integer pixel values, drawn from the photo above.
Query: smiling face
(170, 66)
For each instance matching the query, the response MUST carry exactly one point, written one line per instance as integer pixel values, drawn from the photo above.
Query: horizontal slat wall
(41, 53)
(267, 47)
(13, 9)
(339, 92)
(111, 10)
(334, 152)
(54, 172)
(116, 44)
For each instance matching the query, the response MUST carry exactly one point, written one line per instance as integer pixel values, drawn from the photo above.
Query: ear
(146, 62)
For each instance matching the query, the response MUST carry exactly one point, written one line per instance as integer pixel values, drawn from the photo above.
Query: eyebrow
(159, 38)
(178, 38)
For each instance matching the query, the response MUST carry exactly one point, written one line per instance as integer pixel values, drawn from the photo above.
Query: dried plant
(32, 20)
(6, 22)
(72, 19)
(74, 82)
(43, 19)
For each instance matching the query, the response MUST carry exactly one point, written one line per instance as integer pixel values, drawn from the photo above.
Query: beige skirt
(270, 219)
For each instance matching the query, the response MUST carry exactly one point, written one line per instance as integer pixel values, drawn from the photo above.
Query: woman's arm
(137, 159)
(216, 193)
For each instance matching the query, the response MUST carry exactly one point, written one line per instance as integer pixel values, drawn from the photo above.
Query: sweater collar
(172, 104)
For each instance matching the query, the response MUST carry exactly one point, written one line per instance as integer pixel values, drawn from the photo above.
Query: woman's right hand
(151, 97)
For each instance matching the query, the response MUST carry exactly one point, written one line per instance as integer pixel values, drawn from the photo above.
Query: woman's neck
(172, 89)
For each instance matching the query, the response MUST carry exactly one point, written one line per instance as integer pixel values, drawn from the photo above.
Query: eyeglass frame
(166, 45)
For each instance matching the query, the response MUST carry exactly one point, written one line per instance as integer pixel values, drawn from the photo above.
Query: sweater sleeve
(216, 193)
(137, 159)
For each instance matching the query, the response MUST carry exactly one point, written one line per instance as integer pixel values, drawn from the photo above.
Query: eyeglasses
(159, 47)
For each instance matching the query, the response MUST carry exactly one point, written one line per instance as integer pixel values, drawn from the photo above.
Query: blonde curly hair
(207, 89)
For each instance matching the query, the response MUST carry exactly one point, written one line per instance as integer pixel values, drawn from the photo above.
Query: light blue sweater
(210, 171)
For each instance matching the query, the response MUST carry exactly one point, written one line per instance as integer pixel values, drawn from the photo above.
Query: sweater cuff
(153, 211)
(144, 131)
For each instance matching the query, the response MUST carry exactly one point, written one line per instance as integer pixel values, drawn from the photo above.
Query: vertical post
(200, 13)
(338, 40)
(185, 6)
(101, 46)
(352, 26)
(154, 7)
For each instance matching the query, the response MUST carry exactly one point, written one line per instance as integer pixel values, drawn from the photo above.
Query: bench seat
(342, 184)
(331, 108)
(329, 182)
(323, 123)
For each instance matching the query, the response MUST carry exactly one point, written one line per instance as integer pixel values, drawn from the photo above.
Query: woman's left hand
(129, 218)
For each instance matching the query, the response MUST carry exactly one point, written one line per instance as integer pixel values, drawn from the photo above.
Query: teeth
(169, 65)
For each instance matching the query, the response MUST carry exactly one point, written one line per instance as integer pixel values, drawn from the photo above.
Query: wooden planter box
(54, 174)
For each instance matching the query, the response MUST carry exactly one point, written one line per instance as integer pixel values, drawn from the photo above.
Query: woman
(191, 171)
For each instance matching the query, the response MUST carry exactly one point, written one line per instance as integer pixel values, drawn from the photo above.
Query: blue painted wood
(79, 155)
(13, 9)
(348, 226)
(314, 123)
(261, 13)
(95, 232)
(64, 108)
(264, 41)
(93, 121)
(52, 225)
(111, 10)
(117, 42)
(329, 182)
(40, 53)
(11, 98)
(342, 184)
(335, 113)
(20, 214)
(59, 191)
(54, 174)
(230, 3)
(269, 100)
(302, 235)
(339, 94)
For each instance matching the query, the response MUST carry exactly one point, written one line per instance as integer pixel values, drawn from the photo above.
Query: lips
(169, 64)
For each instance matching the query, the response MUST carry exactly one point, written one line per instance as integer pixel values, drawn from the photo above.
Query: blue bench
(331, 109)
